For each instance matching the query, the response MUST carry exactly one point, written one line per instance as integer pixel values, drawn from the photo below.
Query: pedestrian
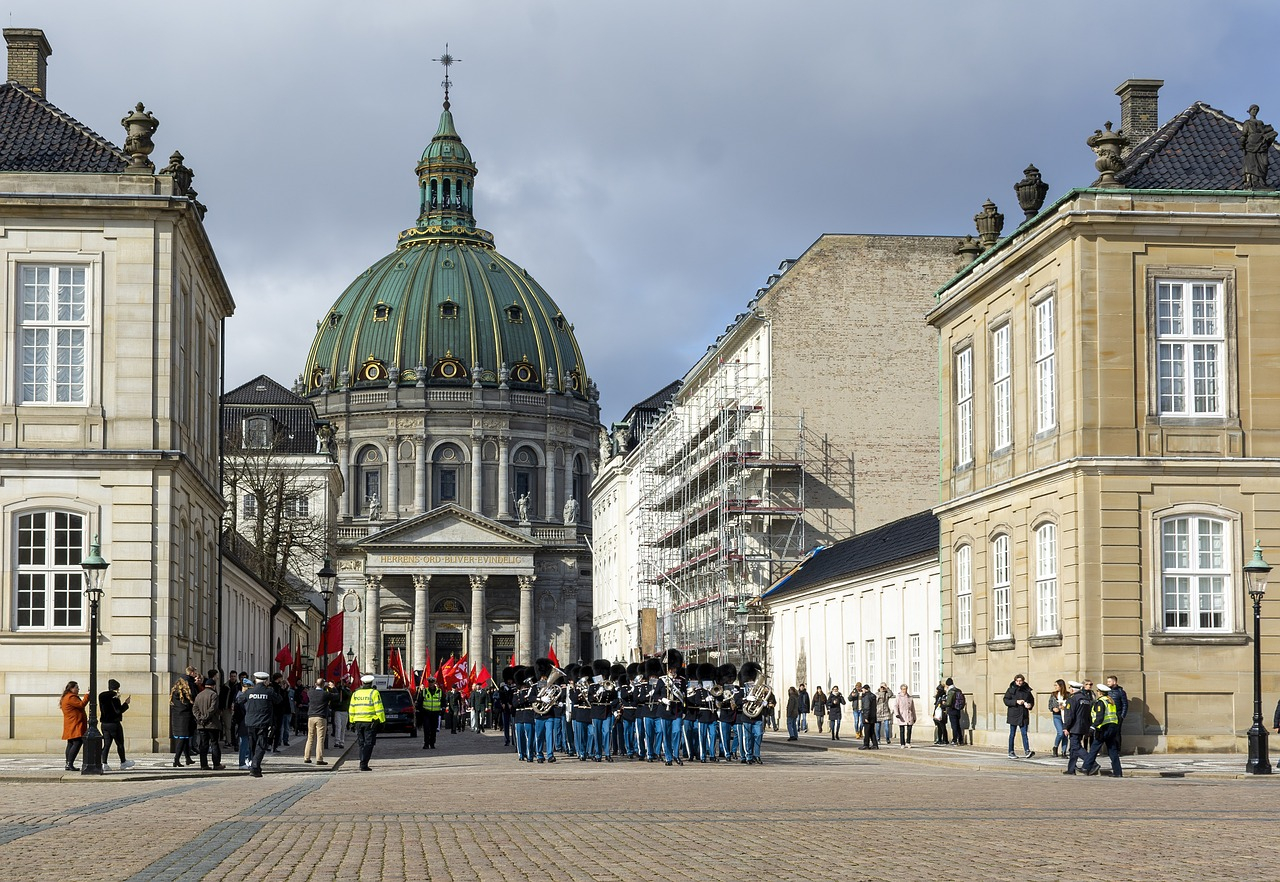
(855, 709)
(366, 715)
(111, 715)
(868, 701)
(432, 700)
(1105, 718)
(904, 714)
(454, 699)
(1058, 705)
(301, 698)
(884, 713)
(182, 721)
(1121, 698)
(940, 714)
(955, 703)
(793, 714)
(317, 704)
(805, 705)
(238, 727)
(74, 723)
(819, 707)
(341, 706)
(208, 723)
(835, 712)
(280, 723)
(1019, 699)
(227, 701)
(1076, 721)
(260, 702)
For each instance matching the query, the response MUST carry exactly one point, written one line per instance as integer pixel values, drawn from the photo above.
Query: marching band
(655, 710)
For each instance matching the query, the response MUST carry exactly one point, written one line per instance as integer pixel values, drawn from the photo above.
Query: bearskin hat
(633, 670)
(674, 658)
(509, 674)
(570, 671)
(617, 673)
(652, 668)
(727, 674)
(705, 672)
(543, 667)
(750, 672)
(600, 668)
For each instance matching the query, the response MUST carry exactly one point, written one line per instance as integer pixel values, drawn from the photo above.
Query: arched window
(1001, 589)
(369, 468)
(49, 584)
(524, 477)
(964, 594)
(1047, 579)
(257, 433)
(447, 466)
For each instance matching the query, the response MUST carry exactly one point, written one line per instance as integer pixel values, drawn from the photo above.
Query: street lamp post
(327, 578)
(1255, 577)
(95, 570)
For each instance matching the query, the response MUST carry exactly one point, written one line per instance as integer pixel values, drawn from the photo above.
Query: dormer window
(334, 318)
(448, 310)
(515, 314)
(373, 370)
(559, 319)
(523, 372)
(257, 433)
(381, 312)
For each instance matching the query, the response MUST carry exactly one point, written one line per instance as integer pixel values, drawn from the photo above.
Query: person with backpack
(955, 703)
(1076, 719)
(1105, 719)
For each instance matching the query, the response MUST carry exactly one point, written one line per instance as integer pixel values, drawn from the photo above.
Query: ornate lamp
(95, 572)
(1255, 581)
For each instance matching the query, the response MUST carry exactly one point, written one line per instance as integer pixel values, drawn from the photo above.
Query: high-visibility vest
(1104, 712)
(366, 707)
(431, 700)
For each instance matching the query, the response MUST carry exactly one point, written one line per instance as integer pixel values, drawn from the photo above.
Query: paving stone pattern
(470, 811)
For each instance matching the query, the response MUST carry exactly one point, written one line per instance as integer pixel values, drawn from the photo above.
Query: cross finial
(447, 61)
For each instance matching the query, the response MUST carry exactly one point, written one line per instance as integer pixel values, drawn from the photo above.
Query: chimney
(1139, 110)
(28, 57)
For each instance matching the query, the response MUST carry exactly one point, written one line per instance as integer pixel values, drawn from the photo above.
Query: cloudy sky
(649, 163)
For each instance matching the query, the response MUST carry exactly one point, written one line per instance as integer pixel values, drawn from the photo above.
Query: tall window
(1190, 345)
(1047, 579)
(1046, 372)
(851, 658)
(1000, 589)
(257, 433)
(891, 662)
(1001, 390)
(871, 661)
(916, 683)
(50, 587)
(1195, 573)
(53, 330)
(964, 406)
(297, 506)
(964, 594)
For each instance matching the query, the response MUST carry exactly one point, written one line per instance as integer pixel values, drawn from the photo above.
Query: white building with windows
(113, 303)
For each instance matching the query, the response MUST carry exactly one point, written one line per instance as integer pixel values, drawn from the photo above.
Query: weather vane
(448, 61)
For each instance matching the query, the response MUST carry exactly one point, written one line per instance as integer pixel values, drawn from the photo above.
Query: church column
(392, 511)
(504, 468)
(419, 475)
(344, 503)
(372, 660)
(476, 495)
(549, 509)
(421, 604)
(525, 655)
(476, 648)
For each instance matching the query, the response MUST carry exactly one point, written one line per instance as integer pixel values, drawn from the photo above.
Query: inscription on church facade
(447, 559)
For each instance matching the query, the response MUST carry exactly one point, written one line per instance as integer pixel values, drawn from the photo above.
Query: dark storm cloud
(649, 164)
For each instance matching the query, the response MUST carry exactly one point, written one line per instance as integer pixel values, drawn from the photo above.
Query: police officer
(432, 702)
(260, 703)
(366, 714)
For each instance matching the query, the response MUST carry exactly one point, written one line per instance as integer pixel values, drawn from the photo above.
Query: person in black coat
(867, 703)
(111, 715)
(1075, 720)
(835, 712)
(1019, 699)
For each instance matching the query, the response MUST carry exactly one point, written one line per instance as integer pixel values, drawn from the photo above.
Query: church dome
(445, 307)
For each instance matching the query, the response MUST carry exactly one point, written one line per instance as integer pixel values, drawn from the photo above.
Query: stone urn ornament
(1031, 191)
(1109, 146)
(989, 222)
(140, 125)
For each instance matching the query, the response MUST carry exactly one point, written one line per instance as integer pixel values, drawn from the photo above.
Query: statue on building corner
(374, 506)
(570, 511)
(1256, 138)
(606, 451)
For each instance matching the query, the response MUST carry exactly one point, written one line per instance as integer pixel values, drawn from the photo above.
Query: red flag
(353, 673)
(396, 664)
(484, 679)
(446, 669)
(337, 670)
(511, 662)
(426, 673)
(551, 654)
(284, 657)
(331, 639)
(295, 671)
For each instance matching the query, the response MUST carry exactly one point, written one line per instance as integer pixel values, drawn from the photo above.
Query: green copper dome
(445, 307)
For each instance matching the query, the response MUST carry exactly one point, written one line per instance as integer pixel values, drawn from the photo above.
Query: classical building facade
(1111, 442)
(772, 445)
(465, 427)
(113, 304)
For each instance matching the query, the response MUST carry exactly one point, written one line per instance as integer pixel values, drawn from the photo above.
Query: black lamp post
(1255, 579)
(328, 579)
(95, 570)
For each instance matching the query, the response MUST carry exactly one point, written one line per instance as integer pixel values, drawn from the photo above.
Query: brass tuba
(549, 694)
(753, 704)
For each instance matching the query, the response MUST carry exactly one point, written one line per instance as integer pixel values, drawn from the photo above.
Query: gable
(450, 527)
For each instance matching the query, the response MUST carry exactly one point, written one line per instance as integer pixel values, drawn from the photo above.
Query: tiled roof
(641, 416)
(263, 391)
(35, 136)
(293, 416)
(901, 540)
(1199, 149)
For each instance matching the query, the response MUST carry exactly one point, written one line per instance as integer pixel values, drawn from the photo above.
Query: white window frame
(256, 433)
(1197, 575)
(54, 316)
(891, 663)
(1045, 321)
(964, 406)
(1001, 589)
(964, 594)
(250, 508)
(916, 682)
(1047, 579)
(851, 657)
(297, 505)
(1001, 389)
(1191, 347)
(50, 570)
(871, 662)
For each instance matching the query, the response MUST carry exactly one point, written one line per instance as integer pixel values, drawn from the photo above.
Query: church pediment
(449, 527)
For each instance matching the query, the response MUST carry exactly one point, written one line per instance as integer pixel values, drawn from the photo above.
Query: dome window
(447, 263)
(524, 373)
(317, 377)
(449, 368)
(559, 319)
(381, 312)
(515, 314)
(335, 318)
(448, 310)
(493, 267)
(373, 370)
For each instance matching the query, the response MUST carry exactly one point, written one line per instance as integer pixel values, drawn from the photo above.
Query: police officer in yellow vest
(1106, 724)
(366, 714)
(432, 702)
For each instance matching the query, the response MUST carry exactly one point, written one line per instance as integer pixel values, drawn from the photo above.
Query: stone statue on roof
(1256, 137)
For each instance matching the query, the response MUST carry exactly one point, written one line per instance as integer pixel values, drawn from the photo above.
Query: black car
(398, 704)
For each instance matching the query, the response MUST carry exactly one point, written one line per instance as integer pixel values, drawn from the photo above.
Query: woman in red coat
(74, 723)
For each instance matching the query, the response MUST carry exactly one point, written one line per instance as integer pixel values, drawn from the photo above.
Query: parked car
(398, 703)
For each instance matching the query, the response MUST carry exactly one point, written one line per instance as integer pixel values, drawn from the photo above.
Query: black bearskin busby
(750, 672)
(542, 667)
(652, 668)
(600, 668)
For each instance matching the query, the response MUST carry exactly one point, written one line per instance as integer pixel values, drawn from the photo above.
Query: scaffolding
(722, 511)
